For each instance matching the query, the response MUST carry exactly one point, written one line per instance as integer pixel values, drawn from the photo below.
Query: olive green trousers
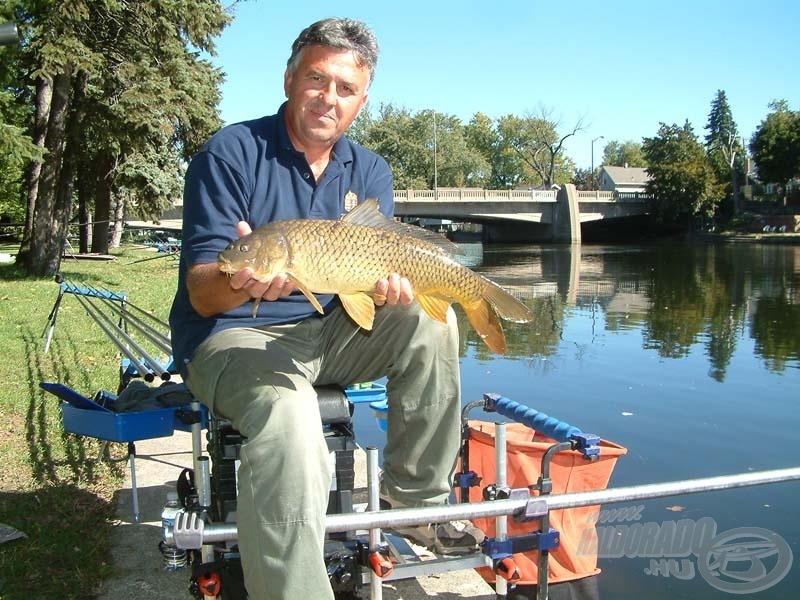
(262, 381)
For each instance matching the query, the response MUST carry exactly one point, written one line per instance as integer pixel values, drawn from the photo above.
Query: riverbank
(760, 238)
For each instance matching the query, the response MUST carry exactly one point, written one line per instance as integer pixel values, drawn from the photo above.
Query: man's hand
(393, 290)
(210, 293)
(277, 287)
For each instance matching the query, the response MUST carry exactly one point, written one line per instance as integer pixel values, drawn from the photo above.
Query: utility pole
(599, 137)
(435, 165)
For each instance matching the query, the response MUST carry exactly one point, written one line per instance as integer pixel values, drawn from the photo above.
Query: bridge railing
(603, 196)
(473, 194)
(477, 195)
(595, 195)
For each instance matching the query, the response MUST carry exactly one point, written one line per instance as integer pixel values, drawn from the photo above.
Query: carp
(348, 256)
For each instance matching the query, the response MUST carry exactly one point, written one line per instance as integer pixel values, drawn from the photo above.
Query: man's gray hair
(344, 34)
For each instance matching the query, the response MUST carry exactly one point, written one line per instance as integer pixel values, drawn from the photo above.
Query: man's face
(325, 94)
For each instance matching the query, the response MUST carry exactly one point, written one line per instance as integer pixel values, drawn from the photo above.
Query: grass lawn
(52, 485)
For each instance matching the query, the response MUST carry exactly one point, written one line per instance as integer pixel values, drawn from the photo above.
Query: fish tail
(507, 307)
(484, 320)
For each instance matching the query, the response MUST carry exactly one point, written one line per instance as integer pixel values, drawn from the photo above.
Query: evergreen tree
(122, 96)
(723, 147)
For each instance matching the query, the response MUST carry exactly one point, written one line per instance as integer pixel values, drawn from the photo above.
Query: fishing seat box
(85, 416)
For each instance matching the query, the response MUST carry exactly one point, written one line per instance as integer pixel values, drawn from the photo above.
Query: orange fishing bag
(569, 472)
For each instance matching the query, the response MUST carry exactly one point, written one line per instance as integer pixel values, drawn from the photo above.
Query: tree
(775, 145)
(538, 145)
(405, 141)
(17, 150)
(122, 96)
(424, 149)
(582, 179)
(723, 147)
(681, 178)
(458, 164)
(620, 154)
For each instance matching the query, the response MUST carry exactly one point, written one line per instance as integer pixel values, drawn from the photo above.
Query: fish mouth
(225, 265)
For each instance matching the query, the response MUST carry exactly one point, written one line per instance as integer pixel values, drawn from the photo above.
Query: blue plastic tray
(83, 416)
(365, 392)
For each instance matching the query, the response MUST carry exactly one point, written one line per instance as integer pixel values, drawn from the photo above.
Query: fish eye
(244, 248)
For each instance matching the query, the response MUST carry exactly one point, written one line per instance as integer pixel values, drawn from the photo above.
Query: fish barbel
(348, 256)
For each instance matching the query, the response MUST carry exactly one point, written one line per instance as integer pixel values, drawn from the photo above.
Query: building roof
(627, 175)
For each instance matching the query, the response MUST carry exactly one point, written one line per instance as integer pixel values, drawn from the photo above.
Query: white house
(622, 179)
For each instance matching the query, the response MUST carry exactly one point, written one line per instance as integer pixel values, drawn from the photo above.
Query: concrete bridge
(506, 215)
(509, 215)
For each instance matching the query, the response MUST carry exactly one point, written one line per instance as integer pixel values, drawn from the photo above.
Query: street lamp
(599, 137)
(435, 165)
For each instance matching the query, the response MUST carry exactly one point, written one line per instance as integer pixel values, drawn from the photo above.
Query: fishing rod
(151, 333)
(130, 304)
(146, 373)
(115, 332)
(141, 260)
(153, 363)
(532, 507)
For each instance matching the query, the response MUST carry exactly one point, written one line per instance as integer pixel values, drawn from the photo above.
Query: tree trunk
(44, 96)
(84, 214)
(104, 181)
(119, 216)
(737, 199)
(66, 183)
(46, 244)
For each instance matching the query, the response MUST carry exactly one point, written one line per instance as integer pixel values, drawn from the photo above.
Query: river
(686, 354)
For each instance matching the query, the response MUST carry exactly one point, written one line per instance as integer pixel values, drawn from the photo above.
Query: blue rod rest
(69, 288)
(559, 430)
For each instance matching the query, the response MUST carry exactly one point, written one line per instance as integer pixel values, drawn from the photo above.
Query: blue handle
(549, 426)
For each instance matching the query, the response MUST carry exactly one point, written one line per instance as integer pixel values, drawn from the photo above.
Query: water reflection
(688, 355)
(678, 295)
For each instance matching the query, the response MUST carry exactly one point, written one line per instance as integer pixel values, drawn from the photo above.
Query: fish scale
(347, 257)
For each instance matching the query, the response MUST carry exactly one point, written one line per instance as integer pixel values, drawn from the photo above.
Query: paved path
(135, 554)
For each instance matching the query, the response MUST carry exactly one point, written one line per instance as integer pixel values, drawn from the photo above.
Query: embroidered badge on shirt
(350, 201)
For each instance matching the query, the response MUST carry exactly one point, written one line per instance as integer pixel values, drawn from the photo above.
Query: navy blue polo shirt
(251, 172)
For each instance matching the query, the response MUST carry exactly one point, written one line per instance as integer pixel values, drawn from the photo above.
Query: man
(259, 372)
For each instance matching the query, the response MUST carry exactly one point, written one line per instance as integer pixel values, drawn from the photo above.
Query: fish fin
(360, 307)
(507, 307)
(434, 306)
(484, 320)
(256, 302)
(307, 293)
(368, 213)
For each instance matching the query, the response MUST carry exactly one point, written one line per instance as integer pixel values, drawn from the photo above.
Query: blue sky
(622, 67)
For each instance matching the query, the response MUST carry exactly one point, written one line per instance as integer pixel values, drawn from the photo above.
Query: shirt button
(306, 175)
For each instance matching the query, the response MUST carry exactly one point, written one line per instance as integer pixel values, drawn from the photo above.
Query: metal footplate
(408, 563)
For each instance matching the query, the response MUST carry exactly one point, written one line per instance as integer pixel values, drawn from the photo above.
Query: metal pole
(373, 484)
(406, 517)
(134, 489)
(151, 333)
(599, 137)
(501, 521)
(149, 360)
(144, 371)
(8, 33)
(52, 319)
(435, 162)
